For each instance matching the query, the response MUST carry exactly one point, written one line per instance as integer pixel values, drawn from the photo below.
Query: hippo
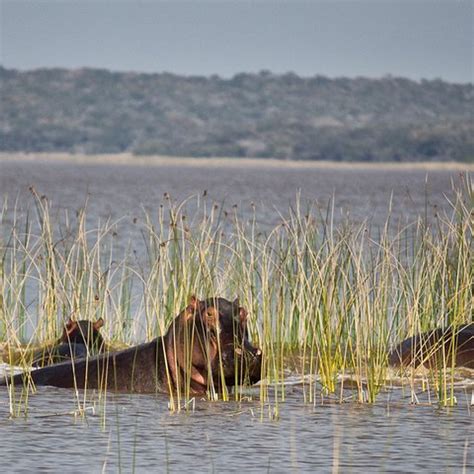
(205, 347)
(79, 339)
(436, 348)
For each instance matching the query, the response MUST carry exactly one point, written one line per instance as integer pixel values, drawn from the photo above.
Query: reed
(326, 300)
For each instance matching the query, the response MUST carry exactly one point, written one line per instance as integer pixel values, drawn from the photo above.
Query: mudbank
(437, 348)
(205, 346)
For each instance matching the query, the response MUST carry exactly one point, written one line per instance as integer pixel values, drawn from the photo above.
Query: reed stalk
(326, 300)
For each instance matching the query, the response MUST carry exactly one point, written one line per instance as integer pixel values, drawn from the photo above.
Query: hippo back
(436, 348)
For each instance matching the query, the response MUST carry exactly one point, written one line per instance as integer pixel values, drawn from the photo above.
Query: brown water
(139, 433)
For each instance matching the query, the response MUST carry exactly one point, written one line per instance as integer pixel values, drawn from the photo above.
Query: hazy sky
(413, 38)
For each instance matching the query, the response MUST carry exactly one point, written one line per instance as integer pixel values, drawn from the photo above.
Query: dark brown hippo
(79, 339)
(205, 346)
(436, 348)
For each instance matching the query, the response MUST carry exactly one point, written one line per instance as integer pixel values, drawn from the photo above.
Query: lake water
(139, 433)
(124, 189)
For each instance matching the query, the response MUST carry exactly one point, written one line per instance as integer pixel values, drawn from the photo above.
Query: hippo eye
(211, 318)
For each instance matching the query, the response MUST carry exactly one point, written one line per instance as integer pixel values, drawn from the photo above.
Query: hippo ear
(242, 312)
(193, 302)
(98, 324)
(190, 310)
(243, 316)
(69, 328)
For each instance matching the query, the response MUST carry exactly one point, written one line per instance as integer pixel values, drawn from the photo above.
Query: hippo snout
(255, 366)
(252, 357)
(241, 364)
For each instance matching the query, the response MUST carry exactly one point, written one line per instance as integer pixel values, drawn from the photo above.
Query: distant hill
(255, 115)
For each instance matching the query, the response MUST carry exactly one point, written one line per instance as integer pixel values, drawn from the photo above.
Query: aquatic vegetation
(326, 301)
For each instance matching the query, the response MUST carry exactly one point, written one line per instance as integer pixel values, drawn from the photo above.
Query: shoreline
(127, 159)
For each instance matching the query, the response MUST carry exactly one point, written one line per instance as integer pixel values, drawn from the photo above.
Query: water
(138, 432)
(125, 190)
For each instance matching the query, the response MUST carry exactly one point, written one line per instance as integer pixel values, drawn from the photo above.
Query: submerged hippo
(436, 348)
(206, 345)
(79, 339)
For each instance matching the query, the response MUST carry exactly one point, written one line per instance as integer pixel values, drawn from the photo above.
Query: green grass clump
(326, 301)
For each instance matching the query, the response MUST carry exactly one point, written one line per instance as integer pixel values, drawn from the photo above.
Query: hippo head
(208, 344)
(83, 332)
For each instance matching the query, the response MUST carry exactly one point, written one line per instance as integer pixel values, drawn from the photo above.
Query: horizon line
(262, 72)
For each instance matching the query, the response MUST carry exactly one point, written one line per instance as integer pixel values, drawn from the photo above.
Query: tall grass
(326, 300)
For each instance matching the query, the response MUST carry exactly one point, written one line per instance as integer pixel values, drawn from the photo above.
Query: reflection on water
(138, 432)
